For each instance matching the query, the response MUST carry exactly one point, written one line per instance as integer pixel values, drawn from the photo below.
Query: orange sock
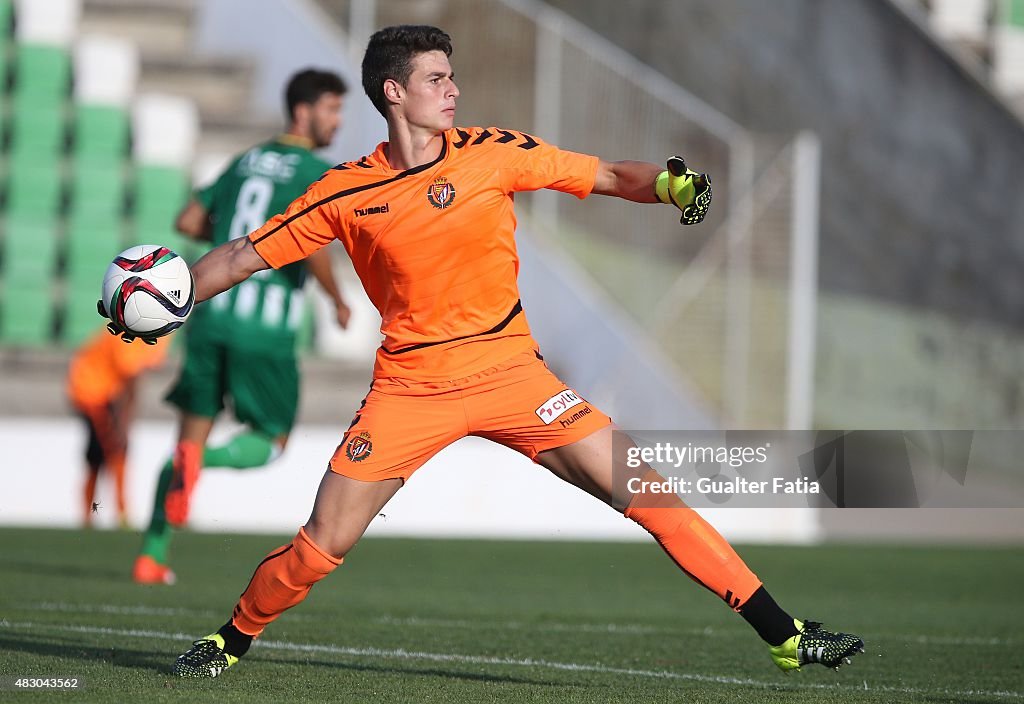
(188, 460)
(699, 550)
(281, 581)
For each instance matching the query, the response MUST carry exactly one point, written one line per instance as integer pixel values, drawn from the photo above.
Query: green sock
(157, 538)
(245, 450)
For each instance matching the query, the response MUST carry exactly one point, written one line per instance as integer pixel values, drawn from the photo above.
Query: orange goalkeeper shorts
(518, 403)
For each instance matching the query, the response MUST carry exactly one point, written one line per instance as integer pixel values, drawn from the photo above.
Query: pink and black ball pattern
(135, 284)
(146, 262)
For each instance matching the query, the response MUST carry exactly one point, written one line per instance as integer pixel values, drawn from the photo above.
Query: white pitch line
(402, 654)
(138, 610)
(614, 628)
(415, 621)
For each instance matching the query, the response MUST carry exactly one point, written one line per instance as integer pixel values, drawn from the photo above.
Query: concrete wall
(922, 172)
(474, 488)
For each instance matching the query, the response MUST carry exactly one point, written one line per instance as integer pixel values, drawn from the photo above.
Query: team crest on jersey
(441, 193)
(359, 447)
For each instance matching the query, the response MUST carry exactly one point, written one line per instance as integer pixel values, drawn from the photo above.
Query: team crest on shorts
(359, 447)
(441, 193)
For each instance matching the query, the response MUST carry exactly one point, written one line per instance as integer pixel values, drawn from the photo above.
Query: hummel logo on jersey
(441, 193)
(557, 405)
(373, 210)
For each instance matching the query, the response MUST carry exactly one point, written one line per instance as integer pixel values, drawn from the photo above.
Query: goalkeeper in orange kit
(101, 385)
(428, 222)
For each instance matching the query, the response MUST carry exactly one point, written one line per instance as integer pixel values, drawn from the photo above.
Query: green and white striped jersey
(262, 314)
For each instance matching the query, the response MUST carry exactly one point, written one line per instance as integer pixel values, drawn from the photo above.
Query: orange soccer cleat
(148, 571)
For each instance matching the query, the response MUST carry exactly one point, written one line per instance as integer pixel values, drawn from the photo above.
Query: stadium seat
(34, 187)
(1013, 13)
(106, 74)
(106, 70)
(5, 41)
(92, 240)
(165, 129)
(26, 310)
(100, 134)
(37, 132)
(83, 286)
(93, 237)
(42, 76)
(42, 64)
(97, 190)
(160, 192)
(30, 246)
(965, 20)
(30, 259)
(50, 22)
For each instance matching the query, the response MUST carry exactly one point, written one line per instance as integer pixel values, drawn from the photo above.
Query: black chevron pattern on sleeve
(530, 142)
(506, 137)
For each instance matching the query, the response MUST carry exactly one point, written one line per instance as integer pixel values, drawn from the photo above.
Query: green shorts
(263, 390)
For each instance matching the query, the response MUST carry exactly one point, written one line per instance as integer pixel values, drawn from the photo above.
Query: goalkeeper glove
(687, 190)
(115, 328)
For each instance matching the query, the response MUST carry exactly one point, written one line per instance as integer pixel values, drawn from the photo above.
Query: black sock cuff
(766, 617)
(235, 642)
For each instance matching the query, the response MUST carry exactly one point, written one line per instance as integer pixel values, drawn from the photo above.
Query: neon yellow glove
(687, 190)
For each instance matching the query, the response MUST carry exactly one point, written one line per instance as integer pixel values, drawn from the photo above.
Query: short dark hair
(390, 52)
(308, 85)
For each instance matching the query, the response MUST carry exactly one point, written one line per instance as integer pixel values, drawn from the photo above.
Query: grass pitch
(476, 621)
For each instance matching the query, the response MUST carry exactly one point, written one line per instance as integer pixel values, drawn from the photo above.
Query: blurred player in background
(102, 383)
(428, 221)
(240, 347)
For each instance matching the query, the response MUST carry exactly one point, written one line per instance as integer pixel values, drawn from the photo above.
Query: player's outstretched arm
(630, 180)
(644, 182)
(225, 266)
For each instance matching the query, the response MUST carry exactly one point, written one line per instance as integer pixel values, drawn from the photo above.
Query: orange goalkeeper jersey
(434, 245)
(104, 365)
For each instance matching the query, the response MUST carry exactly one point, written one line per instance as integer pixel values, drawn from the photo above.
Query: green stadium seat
(92, 239)
(37, 132)
(34, 187)
(6, 27)
(92, 243)
(30, 246)
(160, 193)
(97, 190)
(26, 310)
(1014, 12)
(100, 134)
(42, 75)
(6, 20)
(29, 266)
(82, 289)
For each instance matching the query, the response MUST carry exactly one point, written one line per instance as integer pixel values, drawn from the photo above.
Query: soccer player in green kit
(241, 344)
